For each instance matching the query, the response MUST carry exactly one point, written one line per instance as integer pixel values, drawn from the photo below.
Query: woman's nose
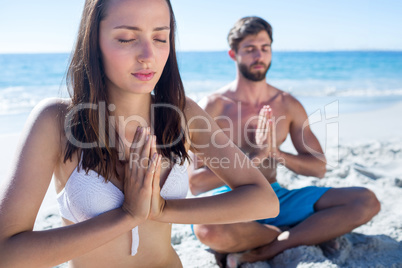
(146, 53)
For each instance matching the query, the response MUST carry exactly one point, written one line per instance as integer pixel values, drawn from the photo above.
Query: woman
(115, 137)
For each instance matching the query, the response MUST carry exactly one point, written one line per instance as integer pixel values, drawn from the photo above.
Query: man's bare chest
(241, 123)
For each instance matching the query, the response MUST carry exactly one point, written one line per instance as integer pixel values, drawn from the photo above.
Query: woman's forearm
(244, 203)
(51, 247)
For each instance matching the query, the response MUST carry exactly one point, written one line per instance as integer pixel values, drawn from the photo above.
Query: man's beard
(254, 76)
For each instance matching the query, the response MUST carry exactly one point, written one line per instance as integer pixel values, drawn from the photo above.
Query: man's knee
(368, 205)
(217, 237)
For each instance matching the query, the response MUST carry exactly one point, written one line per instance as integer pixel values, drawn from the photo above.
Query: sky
(41, 26)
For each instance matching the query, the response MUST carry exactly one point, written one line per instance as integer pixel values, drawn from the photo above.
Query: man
(258, 117)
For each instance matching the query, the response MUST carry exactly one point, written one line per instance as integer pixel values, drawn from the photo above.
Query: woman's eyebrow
(134, 28)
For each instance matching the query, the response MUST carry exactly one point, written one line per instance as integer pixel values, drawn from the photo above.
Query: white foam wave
(17, 100)
(358, 92)
(310, 87)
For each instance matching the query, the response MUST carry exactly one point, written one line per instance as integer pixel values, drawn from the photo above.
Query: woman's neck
(130, 111)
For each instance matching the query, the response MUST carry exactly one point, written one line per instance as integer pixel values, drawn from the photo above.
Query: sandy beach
(363, 149)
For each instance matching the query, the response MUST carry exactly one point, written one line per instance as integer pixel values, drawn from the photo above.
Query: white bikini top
(88, 195)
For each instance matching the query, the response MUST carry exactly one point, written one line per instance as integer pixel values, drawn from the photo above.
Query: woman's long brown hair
(86, 84)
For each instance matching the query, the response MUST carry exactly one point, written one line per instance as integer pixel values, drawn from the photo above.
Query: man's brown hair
(247, 26)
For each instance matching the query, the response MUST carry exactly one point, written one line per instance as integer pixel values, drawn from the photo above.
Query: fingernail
(154, 157)
(147, 138)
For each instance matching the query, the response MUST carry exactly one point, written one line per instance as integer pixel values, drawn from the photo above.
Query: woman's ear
(232, 54)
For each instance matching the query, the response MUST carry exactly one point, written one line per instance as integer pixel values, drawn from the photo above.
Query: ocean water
(356, 81)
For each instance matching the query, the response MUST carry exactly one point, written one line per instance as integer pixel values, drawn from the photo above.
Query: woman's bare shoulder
(46, 121)
(50, 108)
(192, 109)
(196, 117)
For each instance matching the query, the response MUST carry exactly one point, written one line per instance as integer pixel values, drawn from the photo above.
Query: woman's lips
(144, 76)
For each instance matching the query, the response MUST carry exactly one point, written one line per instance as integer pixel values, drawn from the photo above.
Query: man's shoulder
(215, 103)
(292, 106)
(281, 95)
(287, 99)
(292, 102)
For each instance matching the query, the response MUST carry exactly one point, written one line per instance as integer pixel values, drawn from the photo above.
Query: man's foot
(233, 260)
(220, 259)
(259, 264)
(263, 253)
(330, 248)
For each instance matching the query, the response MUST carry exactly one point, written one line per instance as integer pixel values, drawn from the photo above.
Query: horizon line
(218, 50)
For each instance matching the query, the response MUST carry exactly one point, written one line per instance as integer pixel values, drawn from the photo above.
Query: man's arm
(310, 160)
(202, 179)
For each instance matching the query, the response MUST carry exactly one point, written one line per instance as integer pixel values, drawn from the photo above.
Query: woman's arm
(252, 196)
(22, 194)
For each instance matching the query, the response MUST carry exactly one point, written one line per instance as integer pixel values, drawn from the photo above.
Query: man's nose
(257, 54)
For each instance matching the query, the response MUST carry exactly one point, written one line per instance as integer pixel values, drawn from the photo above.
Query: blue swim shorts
(295, 205)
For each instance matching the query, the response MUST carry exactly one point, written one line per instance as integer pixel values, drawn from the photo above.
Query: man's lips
(258, 66)
(144, 75)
